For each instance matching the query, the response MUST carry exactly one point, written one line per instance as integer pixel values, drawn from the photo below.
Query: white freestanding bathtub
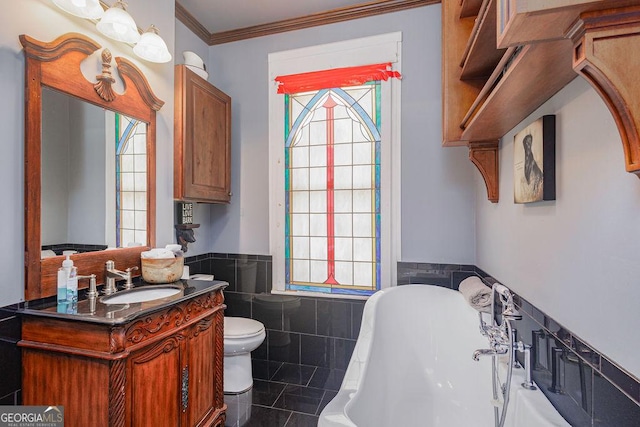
(412, 367)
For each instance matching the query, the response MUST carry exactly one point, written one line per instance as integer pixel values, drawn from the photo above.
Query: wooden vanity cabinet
(180, 373)
(162, 369)
(202, 140)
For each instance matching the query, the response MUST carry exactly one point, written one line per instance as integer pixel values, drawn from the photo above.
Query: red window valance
(338, 77)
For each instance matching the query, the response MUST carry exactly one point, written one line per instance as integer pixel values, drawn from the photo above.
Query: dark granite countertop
(116, 314)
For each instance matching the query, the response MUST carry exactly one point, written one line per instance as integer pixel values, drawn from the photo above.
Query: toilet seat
(240, 327)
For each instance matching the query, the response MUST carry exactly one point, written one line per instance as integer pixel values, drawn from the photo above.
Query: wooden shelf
(457, 94)
(470, 8)
(547, 43)
(512, 99)
(481, 55)
(531, 22)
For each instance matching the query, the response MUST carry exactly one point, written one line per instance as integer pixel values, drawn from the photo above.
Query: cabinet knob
(230, 193)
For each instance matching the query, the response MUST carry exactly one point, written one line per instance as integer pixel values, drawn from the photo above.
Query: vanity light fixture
(89, 9)
(151, 47)
(116, 23)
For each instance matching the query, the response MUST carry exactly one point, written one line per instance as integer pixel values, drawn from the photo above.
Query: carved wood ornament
(105, 81)
(117, 392)
(174, 317)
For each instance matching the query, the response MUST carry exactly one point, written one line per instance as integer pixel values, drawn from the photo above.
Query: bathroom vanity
(153, 363)
(127, 359)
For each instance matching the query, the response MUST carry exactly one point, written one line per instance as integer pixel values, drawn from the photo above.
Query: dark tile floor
(290, 395)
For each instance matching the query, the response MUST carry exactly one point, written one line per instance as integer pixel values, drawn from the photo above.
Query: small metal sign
(184, 212)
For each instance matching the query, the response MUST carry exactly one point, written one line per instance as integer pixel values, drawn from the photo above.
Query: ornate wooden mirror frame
(56, 65)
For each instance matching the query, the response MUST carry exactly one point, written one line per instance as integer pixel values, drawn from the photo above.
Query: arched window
(332, 167)
(334, 156)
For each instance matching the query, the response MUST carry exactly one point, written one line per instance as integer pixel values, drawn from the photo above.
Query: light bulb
(89, 9)
(151, 47)
(117, 24)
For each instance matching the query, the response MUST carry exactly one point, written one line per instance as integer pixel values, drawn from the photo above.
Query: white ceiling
(225, 15)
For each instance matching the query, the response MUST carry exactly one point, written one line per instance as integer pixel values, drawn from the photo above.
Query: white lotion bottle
(71, 284)
(63, 277)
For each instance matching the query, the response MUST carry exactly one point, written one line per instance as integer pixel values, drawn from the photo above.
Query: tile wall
(586, 387)
(308, 331)
(319, 334)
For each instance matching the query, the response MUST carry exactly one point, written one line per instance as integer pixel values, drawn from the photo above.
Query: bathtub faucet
(489, 352)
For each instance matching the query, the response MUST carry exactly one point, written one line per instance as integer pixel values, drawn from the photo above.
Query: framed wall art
(534, 161)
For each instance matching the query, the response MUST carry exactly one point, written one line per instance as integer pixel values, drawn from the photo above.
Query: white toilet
(241, 337)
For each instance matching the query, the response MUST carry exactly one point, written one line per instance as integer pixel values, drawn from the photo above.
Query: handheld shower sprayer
(509, 311)
(502, 290)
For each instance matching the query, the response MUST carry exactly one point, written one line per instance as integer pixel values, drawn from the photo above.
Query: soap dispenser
(72, 280)
(63, 277)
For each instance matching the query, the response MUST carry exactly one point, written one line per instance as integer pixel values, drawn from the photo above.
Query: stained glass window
(332, 180)
(131, 181)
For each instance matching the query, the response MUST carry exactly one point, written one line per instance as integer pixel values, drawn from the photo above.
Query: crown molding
(363, 10)
(192, 23)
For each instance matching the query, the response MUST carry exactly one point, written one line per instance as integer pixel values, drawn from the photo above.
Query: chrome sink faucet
(111, 274)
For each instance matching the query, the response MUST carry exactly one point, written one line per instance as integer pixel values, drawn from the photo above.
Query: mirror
(53, 77)
(94, 180)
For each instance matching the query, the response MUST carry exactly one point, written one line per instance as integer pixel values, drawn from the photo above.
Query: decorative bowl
(161, 270)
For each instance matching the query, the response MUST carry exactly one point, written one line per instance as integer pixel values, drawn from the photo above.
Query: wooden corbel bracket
(606, 53)
(484, 154)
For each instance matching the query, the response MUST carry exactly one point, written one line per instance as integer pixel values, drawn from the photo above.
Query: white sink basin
(141, 295)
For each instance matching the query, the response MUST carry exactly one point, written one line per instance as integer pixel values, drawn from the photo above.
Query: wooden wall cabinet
(202, 140)
(502, 59)
(162, 369)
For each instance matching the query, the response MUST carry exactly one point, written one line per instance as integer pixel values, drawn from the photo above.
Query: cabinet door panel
(155, 385)
(73, 382)
(209, 141)
(201, 368)
(202, 140)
